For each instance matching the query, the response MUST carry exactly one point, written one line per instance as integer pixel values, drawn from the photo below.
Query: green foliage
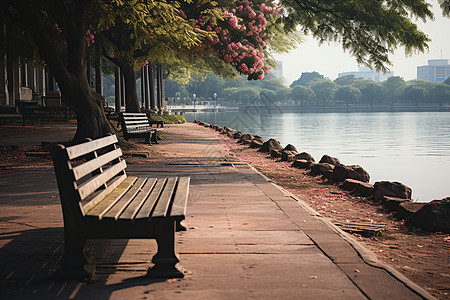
(439, 93)
(324, 89)
(305, 78)
(394, 87)
(345, 80)
(348, 94)
(445, 6)
(167, 118)
(372, 92)
(302, 94)
(356, 90)
(414, 93)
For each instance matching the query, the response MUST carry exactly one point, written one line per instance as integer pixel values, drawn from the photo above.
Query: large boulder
(342, 172)
(271, 144)
(391, 189)
(245, 137)
(305, 156)
(392, 204)
(302, 164)
(321, 168)
(433, 216)
(256, 143)
(237, 135)
(275, 153)
(290, 147)
(287, 155)
(231, 133)
(407, 209)
(402, 208)
(329, 160)
(358, 188)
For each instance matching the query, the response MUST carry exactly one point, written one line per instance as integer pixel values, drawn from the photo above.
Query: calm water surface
(410, 147)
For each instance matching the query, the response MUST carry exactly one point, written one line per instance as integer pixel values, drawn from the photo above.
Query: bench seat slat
(143, 129)
(104, 205)
(181, 197)
(84, 148)
(164, 200)
(142, 120)
(95, 182)
(120, 205)
(147, 207)
(101, 194)
(88, 167)
(138, 201)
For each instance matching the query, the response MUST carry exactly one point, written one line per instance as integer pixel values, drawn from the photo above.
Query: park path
(247, 238)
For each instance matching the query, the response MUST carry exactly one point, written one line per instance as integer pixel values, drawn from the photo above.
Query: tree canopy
(220, 35)
(368, 29)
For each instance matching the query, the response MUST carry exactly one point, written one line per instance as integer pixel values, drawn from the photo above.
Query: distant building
(437, 70)
(279, 71)
(367, 73)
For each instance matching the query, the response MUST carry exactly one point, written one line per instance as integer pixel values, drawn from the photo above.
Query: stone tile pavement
(247, 239)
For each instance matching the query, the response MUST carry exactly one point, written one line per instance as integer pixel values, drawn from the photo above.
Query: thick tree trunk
(131, 97)
(88, 107)
(68, 70)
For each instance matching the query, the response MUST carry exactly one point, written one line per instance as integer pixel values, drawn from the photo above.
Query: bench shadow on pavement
(29, 259)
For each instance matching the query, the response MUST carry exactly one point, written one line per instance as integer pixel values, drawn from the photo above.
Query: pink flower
(233, 22)
(182, 14)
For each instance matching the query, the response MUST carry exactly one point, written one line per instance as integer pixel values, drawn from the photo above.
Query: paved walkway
(247, 239)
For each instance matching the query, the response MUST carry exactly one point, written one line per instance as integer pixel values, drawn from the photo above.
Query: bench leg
(74, 259)
(166, 260)
(154, 137)
(147, 138)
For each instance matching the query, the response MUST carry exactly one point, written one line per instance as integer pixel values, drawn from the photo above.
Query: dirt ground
(422, 257)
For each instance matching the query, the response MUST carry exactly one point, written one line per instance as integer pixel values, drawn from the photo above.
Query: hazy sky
(330, 59)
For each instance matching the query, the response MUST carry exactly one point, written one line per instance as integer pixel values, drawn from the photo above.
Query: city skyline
(330, 59)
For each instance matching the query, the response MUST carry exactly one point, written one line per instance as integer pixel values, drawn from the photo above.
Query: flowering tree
(242, 33)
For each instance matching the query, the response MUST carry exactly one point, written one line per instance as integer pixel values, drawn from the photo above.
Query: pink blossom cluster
(90, 37)
(242, 35)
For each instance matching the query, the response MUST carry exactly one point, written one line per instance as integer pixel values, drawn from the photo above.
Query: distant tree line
(311, 89)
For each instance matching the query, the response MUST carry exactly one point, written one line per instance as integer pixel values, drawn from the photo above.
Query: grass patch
(168, 119)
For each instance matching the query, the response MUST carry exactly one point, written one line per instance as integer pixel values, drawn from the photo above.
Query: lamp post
(215, 100)
(194, 95)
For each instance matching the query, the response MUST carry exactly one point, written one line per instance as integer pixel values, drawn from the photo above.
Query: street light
(215, 101)
(194, 95)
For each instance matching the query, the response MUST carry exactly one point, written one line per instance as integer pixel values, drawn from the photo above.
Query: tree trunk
(68, 69)
(131, 97)
(88, 107)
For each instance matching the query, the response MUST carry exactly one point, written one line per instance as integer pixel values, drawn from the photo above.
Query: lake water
(409, 147)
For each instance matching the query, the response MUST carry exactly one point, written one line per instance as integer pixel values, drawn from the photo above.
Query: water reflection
(409, 147)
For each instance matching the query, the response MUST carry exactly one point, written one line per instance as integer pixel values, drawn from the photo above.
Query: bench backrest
(133, 121)
(87, 172)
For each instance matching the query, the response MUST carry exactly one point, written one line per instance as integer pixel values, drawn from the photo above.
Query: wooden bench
(137, 125)
(99, 201)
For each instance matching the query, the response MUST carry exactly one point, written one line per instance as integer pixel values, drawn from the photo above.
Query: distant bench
(137, 125)
(99, 201)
